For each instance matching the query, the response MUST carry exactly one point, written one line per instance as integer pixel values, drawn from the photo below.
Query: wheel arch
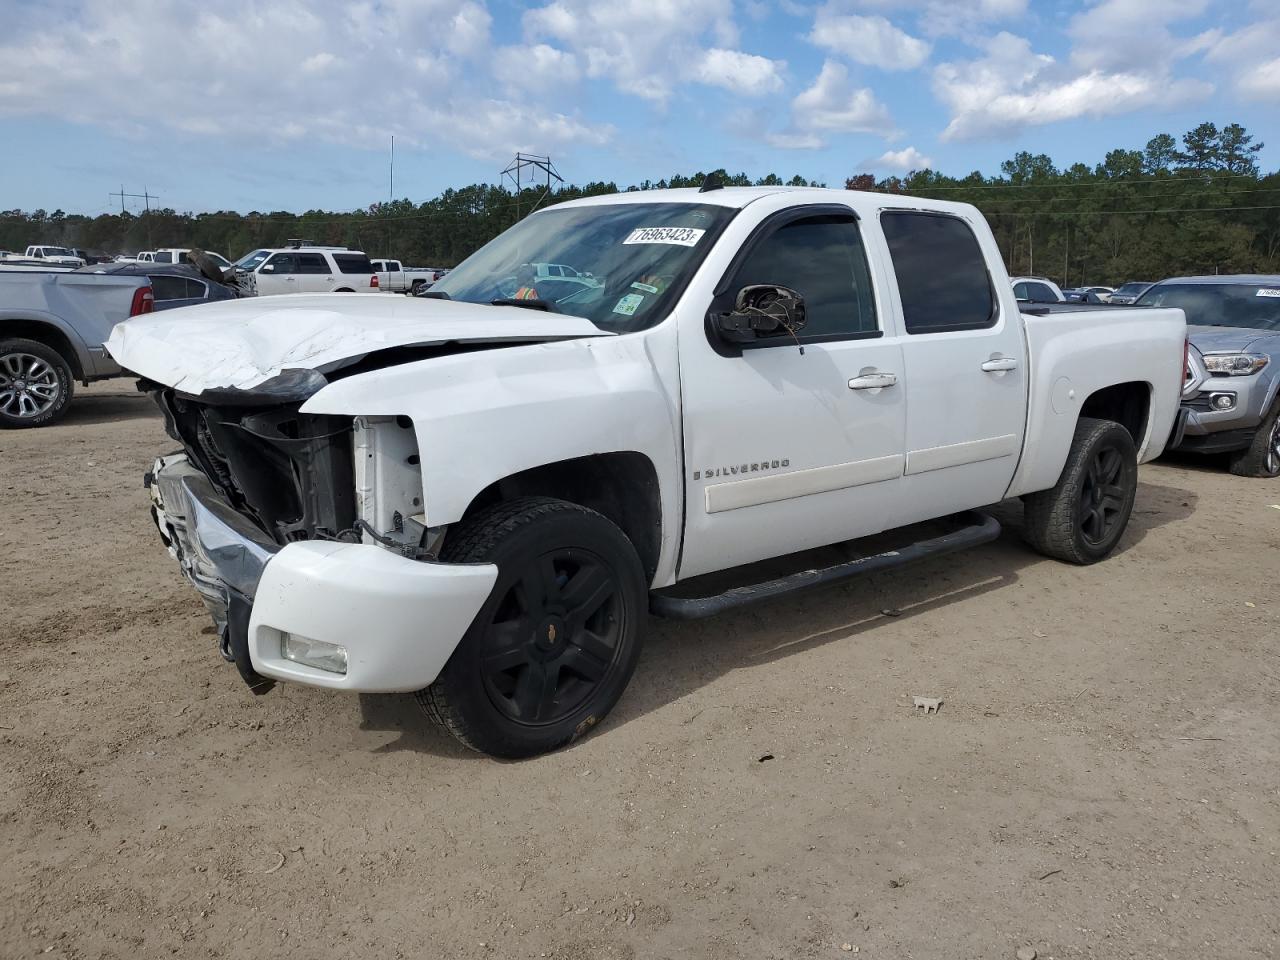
(1128, 404)
(50, 334)
(620, 485)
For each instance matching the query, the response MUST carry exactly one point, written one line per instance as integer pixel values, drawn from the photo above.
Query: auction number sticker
(680, 236)
(1267, 292)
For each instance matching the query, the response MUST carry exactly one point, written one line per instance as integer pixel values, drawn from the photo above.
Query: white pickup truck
(59, 256)
(395, 277)
(480, 494)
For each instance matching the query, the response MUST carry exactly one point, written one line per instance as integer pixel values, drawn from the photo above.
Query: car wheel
(415, 287)
(552, 649)
(35, 384)
(1262, 457)
(1084, 516)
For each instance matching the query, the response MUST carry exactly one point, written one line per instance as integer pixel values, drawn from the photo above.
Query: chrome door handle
(873, 381)
(999, 364)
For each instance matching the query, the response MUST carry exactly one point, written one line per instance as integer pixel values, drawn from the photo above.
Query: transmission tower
(539, 169)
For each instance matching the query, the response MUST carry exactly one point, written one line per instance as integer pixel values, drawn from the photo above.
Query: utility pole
(391, 194)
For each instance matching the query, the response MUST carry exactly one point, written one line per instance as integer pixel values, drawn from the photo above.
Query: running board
(979, 528)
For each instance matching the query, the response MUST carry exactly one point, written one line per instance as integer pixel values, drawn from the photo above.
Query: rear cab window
(942, 274)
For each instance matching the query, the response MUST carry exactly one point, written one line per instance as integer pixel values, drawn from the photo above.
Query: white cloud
(740, 72)
(1012, 87)
(900, 161)
(1249, 55)
(290, 70)
(645, 47)
(1126, 34)
(873, 41)
(969, 19)
(539, 68)
(832, 105)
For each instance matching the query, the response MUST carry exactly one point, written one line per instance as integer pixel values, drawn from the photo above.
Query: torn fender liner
(287, 343)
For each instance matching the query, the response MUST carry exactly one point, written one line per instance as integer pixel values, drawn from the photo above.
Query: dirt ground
(1101, 780)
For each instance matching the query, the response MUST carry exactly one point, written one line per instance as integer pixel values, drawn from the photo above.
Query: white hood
(239, 344)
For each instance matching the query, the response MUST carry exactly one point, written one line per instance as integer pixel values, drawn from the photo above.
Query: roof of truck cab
(740, 197)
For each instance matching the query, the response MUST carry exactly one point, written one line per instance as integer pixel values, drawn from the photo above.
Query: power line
(1180, 179)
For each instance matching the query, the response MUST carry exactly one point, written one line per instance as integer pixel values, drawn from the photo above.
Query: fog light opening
(1223, 401)
(330, 657)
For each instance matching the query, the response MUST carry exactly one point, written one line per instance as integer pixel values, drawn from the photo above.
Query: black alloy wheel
(553, 638)
(1102, 497)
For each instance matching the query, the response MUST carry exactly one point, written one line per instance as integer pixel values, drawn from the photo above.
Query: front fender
(484, 415)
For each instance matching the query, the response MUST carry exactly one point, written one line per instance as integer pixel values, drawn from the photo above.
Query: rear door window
(353, 263)
(942, 274)
(312, 263)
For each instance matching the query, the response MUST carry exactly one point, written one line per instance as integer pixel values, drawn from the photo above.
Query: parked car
(1128, 293)
(394, 277)
(1036, 290)
(1088, 294)
(53, 325)
(308, 270)
(172, 285)
(1231, 397)
(58, 255)
(480, 498)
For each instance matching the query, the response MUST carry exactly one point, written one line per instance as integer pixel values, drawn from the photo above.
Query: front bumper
(398, 619)
(1208, 430)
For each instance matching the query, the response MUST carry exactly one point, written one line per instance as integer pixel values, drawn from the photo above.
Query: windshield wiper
(544, 305)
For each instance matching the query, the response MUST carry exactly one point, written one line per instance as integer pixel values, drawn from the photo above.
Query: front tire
(35, 384)
(553, 647)
(1262, 457)
(1082, 519)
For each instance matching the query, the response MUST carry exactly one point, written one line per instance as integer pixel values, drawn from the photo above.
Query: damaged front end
(290, 473)
(256, 475)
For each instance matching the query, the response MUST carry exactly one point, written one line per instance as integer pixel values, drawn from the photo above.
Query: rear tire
(35, 384)
(1082, 519)
(555, 644)
(1262, 457)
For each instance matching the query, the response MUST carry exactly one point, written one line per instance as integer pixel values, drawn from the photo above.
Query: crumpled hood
(1208, 339)
(239, 344)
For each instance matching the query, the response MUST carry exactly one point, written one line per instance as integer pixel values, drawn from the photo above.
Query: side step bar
(978, 528)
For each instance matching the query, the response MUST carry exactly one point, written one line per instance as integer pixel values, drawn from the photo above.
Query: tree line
(1197, 204)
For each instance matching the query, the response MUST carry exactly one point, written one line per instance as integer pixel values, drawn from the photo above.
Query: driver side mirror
(761, 311)
(268, 268)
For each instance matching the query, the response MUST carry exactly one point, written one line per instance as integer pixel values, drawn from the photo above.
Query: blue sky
(290, 105)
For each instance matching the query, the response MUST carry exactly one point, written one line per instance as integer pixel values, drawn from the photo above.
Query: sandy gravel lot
(1101, 781)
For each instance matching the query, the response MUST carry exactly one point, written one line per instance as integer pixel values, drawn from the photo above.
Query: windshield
(1131, 289)
(251, 260)
(619, 265)
(1220, 304)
